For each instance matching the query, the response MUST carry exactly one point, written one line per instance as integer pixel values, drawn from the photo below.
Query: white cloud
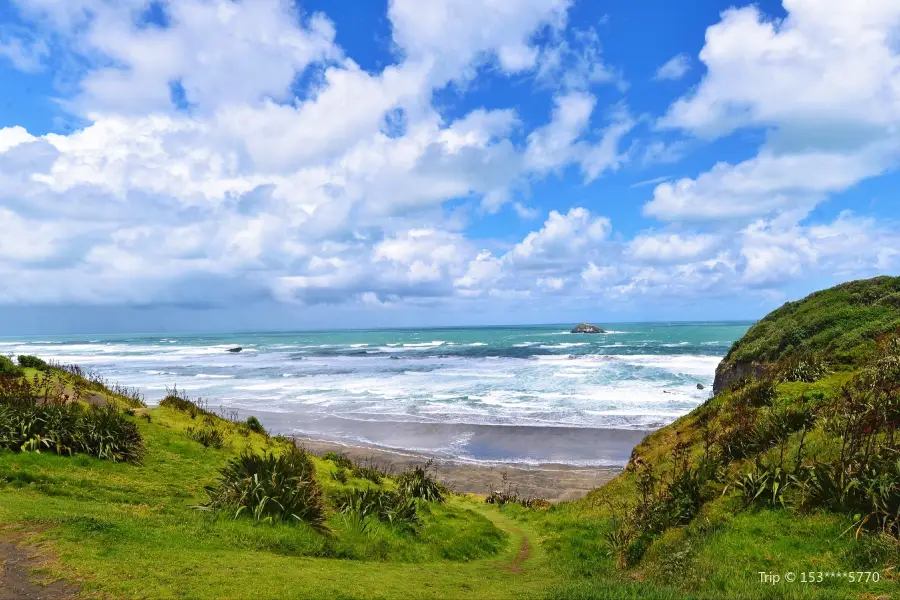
(675, 68)
(576, 63)
(763, 185)
(359, 189)
(824, 84)
(553, 145)
(24, 54)
(450, 34)
(256, 51)
(563, 141)
(829, 63)
(671, 248)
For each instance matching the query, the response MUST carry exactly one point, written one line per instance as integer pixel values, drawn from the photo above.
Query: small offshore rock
(587, 328)
(699, 386)
(235, 349)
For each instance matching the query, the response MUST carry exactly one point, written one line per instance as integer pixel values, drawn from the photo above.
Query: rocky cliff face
(726, 373)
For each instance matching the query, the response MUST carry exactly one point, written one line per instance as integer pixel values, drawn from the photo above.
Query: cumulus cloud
(673, 69)
(824, 83)
(235, 151)
(671, 248)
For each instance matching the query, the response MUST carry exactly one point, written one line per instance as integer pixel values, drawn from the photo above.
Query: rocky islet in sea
(587, 328)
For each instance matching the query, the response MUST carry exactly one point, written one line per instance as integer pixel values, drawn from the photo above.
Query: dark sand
(552, 462)
(550, 481)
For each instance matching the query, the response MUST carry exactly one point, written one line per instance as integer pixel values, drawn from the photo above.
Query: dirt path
(15, 578)
(521, 557)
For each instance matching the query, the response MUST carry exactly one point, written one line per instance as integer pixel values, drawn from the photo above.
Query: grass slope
(131, 531)
(842, 322)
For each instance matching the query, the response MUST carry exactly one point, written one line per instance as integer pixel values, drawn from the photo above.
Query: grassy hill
(841, 324)
(795, 471)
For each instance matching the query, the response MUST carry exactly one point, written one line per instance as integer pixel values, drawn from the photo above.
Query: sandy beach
(553, 482)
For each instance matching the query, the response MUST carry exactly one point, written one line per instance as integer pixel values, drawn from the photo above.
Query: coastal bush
(340, 460)
(255, 426)
(27, 361)
(269, 488)
(842, 323)
(387, 506)
(69, 428)
(8, 368)
(802, 366)
(417, 483)
(179, 401)
(758, 392)
(207, 435)
(764, 485)
(371, 470)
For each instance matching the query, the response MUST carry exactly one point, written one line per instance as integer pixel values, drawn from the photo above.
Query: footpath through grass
(126, 530)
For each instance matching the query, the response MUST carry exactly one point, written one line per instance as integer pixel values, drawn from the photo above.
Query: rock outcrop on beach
(235, 349)
(587, 328)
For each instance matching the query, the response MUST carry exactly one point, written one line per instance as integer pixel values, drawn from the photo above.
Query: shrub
(8, 368)
(27, 361)
(269, 488)
(370, 469)
(390, 507)
(417, 483)
(102, 431)
(179, 401)
(765, 485)
(206, 435)
(368, 473)
(759, 392)
(802, 366)
(255, 426)
(340, 475)
(340, 460)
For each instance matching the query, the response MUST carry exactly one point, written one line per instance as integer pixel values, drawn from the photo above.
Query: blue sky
(228, 164)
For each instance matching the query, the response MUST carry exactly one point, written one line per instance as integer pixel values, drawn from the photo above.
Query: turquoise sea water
(426, 389)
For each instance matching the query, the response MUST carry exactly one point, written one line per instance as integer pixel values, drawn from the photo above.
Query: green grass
(842, 322)
(132, 531)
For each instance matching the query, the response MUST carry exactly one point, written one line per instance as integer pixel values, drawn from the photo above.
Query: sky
(202, 165)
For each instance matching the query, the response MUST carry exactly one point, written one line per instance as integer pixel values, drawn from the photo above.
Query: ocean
(536, 394)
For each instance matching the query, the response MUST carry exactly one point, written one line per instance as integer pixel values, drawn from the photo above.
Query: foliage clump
(208, 435)
(34, 419)
(664, 500)
(340, 460)
(8, 368)
(418, 483)
(393, 508)
(842, 323)
(507, 494)
(179, 401)
(255, 426)
(27, 361)
(269, 488)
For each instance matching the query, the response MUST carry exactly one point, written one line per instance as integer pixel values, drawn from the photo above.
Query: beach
(553, 482)
(558, 412)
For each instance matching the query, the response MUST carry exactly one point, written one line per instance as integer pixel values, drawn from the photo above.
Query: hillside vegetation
(794, 469)
(841, 325)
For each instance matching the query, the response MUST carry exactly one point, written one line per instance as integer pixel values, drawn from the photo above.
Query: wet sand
(553, 482)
